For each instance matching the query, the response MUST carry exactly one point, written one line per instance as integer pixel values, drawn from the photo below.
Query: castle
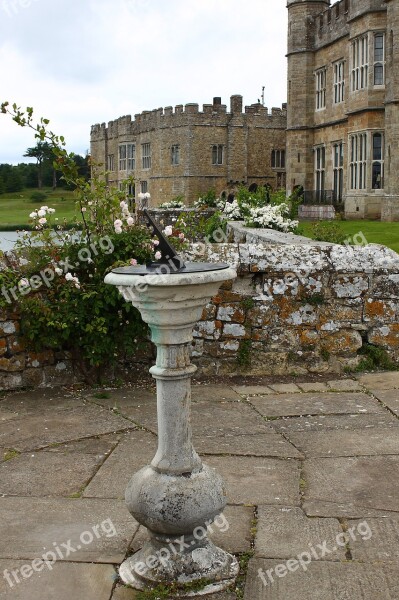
(337, 139)
(343, 104)
(186, 152)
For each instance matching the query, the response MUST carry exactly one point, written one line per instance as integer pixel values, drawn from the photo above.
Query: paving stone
(345, 385)
(268, 444)
(342, 442)
(255, 481)
(123, 593)
(345, 510)
(323, 581)
(316, 404)
(331, 422)
(135, 450)
(58, 423)
(375, 539)
(226, 418)
(285, 532)
(231, 531)
(390, 398)
(368, 482)
(214, 393)
(253, 390)
(64, 582)
(313, 387)
(7, 415)
(285, 388)
(29, 527)
(71, 466)
(380, 381)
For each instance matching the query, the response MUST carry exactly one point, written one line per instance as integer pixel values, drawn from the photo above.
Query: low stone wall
(20, 367)
(296, 307)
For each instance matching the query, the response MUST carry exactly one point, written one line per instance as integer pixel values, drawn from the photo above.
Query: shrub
(328, 231)
(38, 197)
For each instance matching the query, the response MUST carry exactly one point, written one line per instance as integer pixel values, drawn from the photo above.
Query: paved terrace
(304, 463)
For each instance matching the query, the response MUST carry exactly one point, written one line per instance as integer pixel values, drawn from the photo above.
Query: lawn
(375, 232)
(16, 207)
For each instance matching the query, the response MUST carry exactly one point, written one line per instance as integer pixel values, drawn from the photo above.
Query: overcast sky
(80, 62)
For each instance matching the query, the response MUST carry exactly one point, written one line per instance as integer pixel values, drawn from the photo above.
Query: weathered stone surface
(231, 530)
(285, 532)
(341, 342)
(285, 388)
(246, 445)
(342, 442)
(350, 287)
(346, 510)
(253, 390)
(379, 541)
(71, 466)
(135, 450)
(380, 311)
(63, 582)
(380, 381)
(390, 398)
(57, 423)
(226, 418)
(57, 520)
(316, 404)
(313, 387)
(344, 385)
(255, 481)
(332, 422)
(369, 482)
(322, 581)
(386, 287)
(214, 393)
(13, 364)
(386, 336)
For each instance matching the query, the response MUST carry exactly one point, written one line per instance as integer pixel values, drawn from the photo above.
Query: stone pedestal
(176, 497)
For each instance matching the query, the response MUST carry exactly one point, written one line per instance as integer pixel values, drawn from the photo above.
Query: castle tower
(390, 208)
(301, 97)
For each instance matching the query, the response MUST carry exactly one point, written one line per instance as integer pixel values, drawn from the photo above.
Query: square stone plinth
(71, 466)
(316, 404)
(285, 532)
(93, 530)
(62, 582)
(365, 482)
(321, 581)
(255, 481)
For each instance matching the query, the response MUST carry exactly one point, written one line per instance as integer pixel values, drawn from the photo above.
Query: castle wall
(248, 139)
(319, 38)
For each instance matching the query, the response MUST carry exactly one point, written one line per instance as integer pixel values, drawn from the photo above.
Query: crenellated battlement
(215, 114)
(334, 22)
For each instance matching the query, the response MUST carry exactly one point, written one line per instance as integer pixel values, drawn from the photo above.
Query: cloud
(79, 63)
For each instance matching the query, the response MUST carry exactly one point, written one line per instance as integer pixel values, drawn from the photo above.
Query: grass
(16, 207)
(374, 232)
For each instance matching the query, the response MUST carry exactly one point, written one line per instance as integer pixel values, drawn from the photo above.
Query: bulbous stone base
(167, 562)
(175, 504)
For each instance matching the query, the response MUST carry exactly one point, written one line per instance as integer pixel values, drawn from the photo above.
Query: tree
(14, 182)
(42, 152)
(2, 186)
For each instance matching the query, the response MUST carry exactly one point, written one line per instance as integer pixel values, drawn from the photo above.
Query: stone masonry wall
(296, 307)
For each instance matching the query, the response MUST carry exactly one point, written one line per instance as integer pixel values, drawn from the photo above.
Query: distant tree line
(14, 178)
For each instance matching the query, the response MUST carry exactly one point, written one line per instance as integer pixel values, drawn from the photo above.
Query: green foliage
(247, 303)
(244, 354)
(172, 590)
(38, 196)
(325, 355)
(71, 308)
(375, 358)
(14, 182)
(215, 228)
(328, 231)
(10, 454)
(207, 200)
(314, 300)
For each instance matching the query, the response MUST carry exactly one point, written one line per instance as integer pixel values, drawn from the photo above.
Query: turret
(301, 98)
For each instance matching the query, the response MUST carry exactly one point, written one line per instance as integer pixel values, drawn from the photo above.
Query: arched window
(273, 159)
